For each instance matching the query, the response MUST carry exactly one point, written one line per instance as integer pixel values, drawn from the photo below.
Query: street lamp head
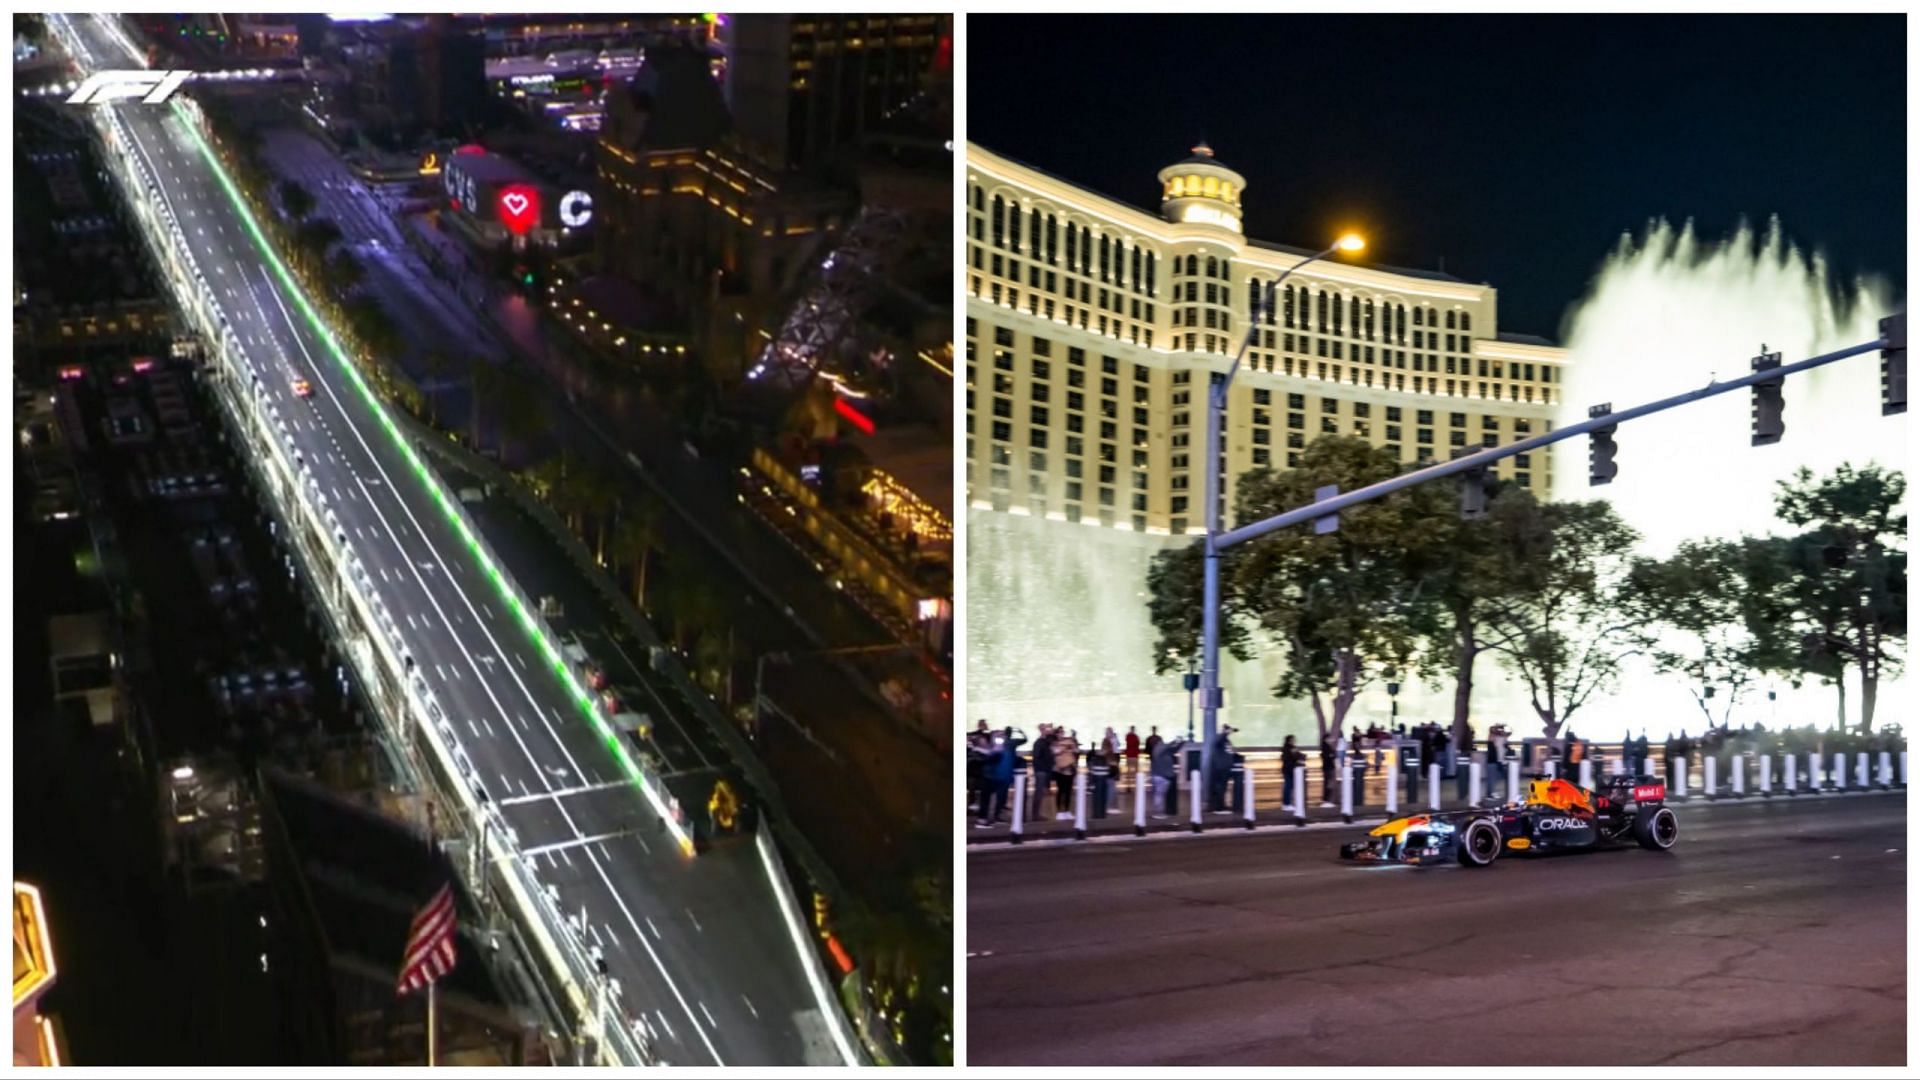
(1350, 242)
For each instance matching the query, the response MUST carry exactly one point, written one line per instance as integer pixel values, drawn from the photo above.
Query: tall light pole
(1216, 424)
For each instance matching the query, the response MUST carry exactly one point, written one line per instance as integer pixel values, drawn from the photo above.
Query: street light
(1216, 423)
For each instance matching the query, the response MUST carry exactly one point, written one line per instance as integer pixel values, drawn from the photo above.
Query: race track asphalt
(1773, 934)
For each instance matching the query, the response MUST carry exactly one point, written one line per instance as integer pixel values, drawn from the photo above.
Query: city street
(727, 990)
(1774, 934)
(776, 601)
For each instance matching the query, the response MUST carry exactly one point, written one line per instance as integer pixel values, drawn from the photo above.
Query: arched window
(979, 198)
(1053, 241)
(999, 222)
(1449, 319)
(1466, 321)
(1193, 264)
(1213, 266)
(1322, 305)
(1253, 298)
(1013, 213)
(1339, 311)
(1150, 266)
(1136, 268)
(1073, 247)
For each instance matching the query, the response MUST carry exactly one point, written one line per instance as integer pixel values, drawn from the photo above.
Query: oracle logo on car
(519, 208)
(1649, 792)
(1560, 823)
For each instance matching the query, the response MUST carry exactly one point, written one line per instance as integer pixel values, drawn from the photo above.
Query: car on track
(1553, 815)
(302, 388)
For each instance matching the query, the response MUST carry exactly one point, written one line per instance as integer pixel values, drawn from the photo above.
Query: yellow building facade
(1093, 327)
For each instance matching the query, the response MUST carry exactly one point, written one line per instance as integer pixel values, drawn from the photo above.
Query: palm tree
(437, 365)
(598, 501)
(296, 199)
(633, 542)
(314, 236)
(345, 273)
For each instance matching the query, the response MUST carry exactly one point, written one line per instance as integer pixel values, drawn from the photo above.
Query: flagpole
(433, 1023)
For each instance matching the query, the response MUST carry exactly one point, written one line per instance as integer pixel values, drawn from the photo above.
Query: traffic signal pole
(1892, 341)
(1487, 457)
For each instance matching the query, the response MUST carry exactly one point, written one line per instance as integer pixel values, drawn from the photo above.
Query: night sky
(1516, 148)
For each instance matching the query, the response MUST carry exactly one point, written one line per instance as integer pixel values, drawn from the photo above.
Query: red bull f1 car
(1553, 815)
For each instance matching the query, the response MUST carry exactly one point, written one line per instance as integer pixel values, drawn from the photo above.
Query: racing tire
(1657, 830)
(1479, 843)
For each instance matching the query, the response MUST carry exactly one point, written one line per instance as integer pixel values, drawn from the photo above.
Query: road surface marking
(613, 937)
(578, 841)
(750, 1008)
(655, 929)
(696, 921)
(663, 1023)
(709, 1016)
(562, 793)
(473, 727)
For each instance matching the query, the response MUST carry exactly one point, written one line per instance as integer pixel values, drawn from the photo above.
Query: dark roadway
(1773, 934)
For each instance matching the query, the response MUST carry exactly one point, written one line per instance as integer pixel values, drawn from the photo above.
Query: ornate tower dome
(1201, 191)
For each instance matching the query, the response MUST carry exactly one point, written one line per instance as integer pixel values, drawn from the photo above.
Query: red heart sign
(519, 208)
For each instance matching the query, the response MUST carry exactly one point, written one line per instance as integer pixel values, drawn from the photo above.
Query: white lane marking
(487, 722)
(664, 1024)
(750, 1008)
(655, 929)
(695, 920)
(613, 937)
(473, 727)
(710, 1021)
(567, 857)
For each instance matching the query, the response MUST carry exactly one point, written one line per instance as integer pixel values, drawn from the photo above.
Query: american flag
(430, 944)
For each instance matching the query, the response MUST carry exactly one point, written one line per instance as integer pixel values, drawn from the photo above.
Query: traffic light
(1767, 402)
(1475, 486)
(1601, 468)
(1893, 364)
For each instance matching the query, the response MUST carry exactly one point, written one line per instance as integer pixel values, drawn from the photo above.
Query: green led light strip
(580, 694)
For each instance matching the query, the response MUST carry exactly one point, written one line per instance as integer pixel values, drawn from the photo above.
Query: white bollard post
(1813, 771)
(1553, 768)
(1246, 794)
(1586, 773)
(1080, 805)
(1193, 798)
(1903, 768)
(1790, 766)
(1839, 772)
(1739, 776)
(1766, 775)
(1863, 778)
(1433, 786)
(1886, 770)
(1679, 778)
(1393, 782)
(1019, 806)
(1476, 790)
(1513, 780)
(1299, 794)
(1346, 792)
(1140, 789)
(1711, 766)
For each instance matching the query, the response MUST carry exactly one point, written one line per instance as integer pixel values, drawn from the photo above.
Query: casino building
(1092, 328)
(1091, 323)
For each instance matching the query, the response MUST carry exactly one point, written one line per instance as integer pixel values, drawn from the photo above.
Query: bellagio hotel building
(1092, 327)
